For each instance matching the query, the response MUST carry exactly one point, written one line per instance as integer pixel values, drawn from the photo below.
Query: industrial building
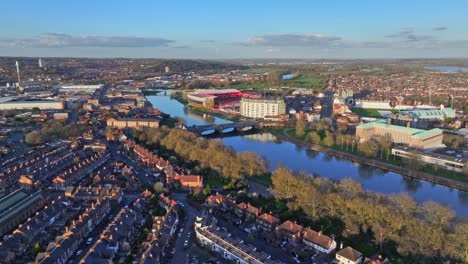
(17, 207)
(23, 105)
(262, 107)
(79, 88)
(422, 118)
(413, 137)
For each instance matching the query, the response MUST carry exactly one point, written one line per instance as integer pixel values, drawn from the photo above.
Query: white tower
(18, 72)
(41, 64)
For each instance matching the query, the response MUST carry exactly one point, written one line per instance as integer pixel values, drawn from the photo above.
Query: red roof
(269, 218)
(317, 238)
(290, 226)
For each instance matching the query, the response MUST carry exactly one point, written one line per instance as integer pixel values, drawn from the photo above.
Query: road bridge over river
(225, 128)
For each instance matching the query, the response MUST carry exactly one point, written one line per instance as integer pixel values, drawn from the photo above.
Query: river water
(447, 68)
(297, 158)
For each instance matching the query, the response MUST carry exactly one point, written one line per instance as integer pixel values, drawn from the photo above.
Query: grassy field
(255, 86)
(305, 81)
(367, 112)
(260, 70)
(264, 179)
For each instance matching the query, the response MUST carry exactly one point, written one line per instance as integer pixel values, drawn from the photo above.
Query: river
(447, 68)
(300, 159)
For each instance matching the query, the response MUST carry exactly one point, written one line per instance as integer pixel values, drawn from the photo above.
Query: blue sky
(234, 29)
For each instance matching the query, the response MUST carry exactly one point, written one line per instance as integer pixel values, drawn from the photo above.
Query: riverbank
(213, 113)
(282, 152)
(375, 163)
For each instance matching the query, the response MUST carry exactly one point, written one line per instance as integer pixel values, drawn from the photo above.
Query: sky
(209, 29)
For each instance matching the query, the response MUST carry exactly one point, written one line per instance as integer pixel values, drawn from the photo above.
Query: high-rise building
(41, 63)
(167, 69)
(262, 107)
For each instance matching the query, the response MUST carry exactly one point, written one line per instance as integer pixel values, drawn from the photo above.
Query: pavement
(139, 170)
(275, 252)
(182, 254)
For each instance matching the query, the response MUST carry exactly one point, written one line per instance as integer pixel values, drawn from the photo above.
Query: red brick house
(318, 241)
(267, 222)
(290, 231)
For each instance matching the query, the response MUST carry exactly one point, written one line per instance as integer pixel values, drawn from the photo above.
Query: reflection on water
(366, 172)
(311, 154)
(297, 158)
(264, 137)
(198, 116)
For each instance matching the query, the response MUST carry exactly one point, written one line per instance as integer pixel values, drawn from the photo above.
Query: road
(182, 255)
(139, 170)
(128, 198)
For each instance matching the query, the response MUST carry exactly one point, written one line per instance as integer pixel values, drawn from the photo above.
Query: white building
(229, 247)
(71, 88)
(443, 161)
(261, 107)
(42, 105)
(348, 255)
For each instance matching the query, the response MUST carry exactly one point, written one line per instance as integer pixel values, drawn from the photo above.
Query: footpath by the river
(379, 164)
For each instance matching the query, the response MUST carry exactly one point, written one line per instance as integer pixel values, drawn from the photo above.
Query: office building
(413, 137)
(261, 107)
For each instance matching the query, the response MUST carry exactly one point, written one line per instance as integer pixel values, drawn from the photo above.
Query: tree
(412, 161)
(158, 187)
(36, 249)
(313, 137)
(404, 203)
(437, 214)
(207, 190)
(349, 188)
(250, 237)
(300, 128)
(328, 140)
(36, 110)
(369, 148)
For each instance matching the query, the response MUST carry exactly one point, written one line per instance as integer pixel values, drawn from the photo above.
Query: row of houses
(64, 245)
(78, 171)
(175, 176)
(286, 231)
(163, 230)
(229, 247)
(116, 238)
(29, 232)
(83, 193)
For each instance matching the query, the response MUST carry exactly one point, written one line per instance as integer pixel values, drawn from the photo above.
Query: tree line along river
(277, 152)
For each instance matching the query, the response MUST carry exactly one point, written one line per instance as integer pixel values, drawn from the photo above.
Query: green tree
(300, 128)
(36, 249)
(412, 161)
(207, 190)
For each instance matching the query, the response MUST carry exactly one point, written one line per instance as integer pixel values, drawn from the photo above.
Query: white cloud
(294, 40)
(54, 40)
